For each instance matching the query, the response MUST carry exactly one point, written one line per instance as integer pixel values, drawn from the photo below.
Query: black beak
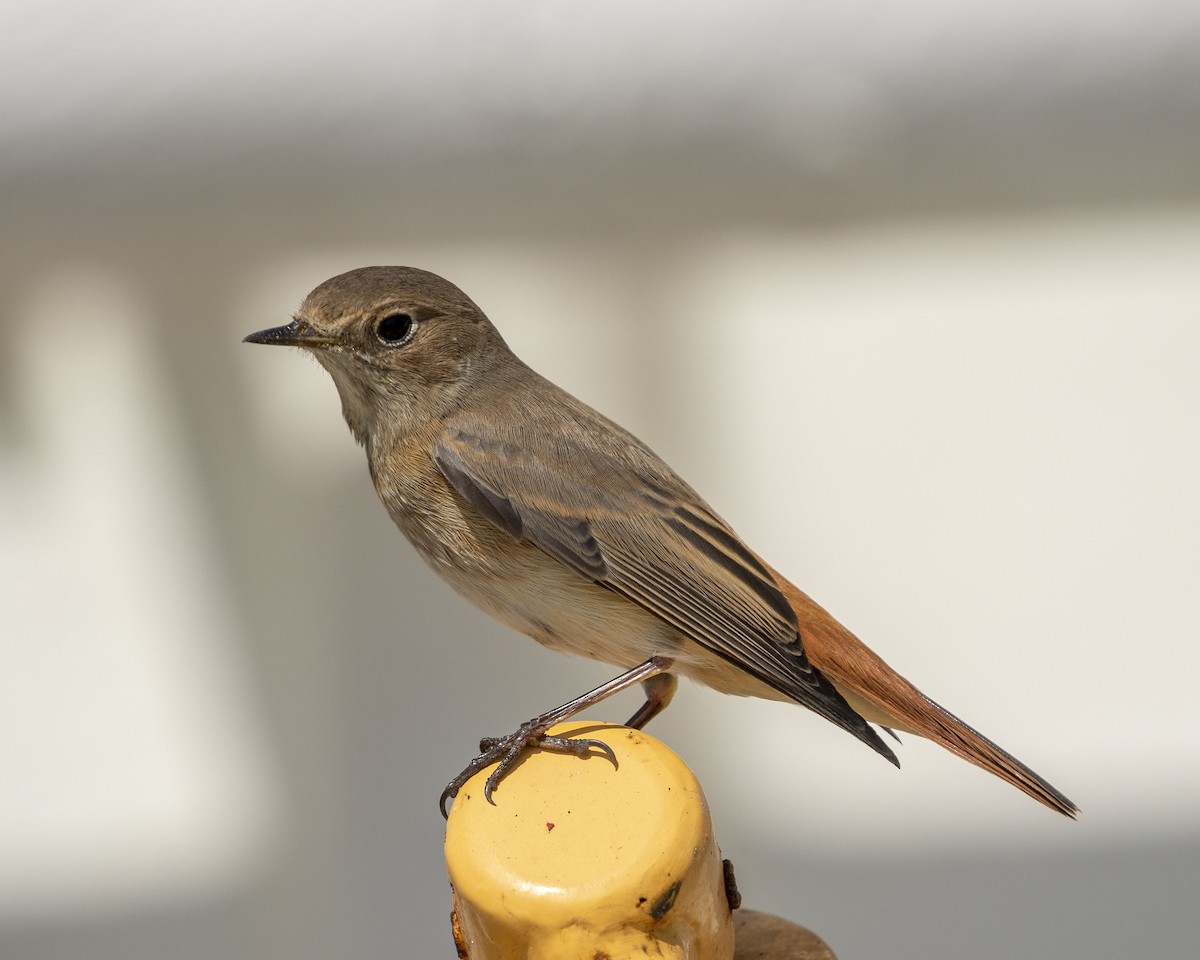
(295, 334)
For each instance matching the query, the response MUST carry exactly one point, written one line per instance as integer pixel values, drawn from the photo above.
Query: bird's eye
(395, 328)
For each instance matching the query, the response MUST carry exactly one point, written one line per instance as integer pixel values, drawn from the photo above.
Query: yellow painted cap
(578, 858)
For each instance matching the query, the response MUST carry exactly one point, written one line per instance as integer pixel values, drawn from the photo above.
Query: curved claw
(599, 746)
(467, 773)
(508, 750)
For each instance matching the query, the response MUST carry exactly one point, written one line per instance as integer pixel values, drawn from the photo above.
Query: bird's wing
(629, 524)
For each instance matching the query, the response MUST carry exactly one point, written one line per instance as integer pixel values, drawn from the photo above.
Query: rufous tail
(882, 696)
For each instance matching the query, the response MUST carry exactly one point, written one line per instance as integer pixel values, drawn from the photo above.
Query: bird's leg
(659, 686)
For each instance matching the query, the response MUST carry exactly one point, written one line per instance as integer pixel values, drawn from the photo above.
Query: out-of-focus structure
(910, 294)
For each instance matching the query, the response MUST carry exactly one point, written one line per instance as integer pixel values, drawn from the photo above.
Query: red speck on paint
(549, 826)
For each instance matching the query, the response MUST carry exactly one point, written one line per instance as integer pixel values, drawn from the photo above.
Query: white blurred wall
(909, 295)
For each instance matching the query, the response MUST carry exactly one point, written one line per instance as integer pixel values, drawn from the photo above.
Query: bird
(563, 525)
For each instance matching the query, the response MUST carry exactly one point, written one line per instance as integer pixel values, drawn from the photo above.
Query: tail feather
(881, 695)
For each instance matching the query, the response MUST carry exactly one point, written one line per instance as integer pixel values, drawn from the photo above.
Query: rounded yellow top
(577, 854)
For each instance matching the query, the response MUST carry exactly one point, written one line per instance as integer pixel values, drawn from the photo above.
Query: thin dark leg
(659, 690)
(532, 733)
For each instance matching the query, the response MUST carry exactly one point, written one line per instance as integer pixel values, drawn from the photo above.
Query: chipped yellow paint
(581, 859)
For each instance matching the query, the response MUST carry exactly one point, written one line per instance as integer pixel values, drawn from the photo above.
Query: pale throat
(363, 404)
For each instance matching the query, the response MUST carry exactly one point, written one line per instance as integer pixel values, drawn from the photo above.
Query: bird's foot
(509, 750)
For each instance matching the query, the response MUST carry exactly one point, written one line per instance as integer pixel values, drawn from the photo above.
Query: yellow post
(579, 859)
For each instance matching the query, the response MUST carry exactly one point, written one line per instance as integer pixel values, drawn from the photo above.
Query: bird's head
(403, 345)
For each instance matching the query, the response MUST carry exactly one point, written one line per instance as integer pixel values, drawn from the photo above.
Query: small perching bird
(561, 524)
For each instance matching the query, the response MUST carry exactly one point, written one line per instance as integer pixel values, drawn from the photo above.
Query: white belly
(558, 608)
(536, 595)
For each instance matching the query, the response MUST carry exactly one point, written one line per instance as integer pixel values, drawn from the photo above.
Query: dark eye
(395, 328)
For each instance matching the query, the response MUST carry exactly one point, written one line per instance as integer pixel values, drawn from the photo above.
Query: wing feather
(638, 530)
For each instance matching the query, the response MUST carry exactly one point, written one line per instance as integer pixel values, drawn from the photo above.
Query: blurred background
(911, 294)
